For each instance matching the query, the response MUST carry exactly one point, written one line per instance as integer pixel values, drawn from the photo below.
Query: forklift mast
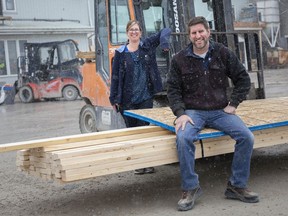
(111, 18)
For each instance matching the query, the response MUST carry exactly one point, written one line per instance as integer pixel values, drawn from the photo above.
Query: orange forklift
(111, 18)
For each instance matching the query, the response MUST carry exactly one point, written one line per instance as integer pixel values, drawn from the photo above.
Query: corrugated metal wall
(283, 6)
(55, 9)
(79, 12)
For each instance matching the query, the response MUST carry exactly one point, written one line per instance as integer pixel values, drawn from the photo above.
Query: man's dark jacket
(192, 84)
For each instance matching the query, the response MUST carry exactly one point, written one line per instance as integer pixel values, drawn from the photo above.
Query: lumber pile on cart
(124, 151)
(84, 156)
(266, 118)
(257, 115)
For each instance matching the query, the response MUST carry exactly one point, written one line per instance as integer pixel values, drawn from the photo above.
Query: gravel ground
(125, 193)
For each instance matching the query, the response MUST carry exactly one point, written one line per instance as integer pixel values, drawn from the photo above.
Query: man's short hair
(198, 20)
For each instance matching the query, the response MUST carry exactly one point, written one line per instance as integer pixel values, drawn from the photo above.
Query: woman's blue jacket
(123, 68)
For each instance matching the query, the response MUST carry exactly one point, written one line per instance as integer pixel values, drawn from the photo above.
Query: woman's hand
(116, 107)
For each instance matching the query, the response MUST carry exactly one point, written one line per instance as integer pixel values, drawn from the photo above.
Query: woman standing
(135, 75)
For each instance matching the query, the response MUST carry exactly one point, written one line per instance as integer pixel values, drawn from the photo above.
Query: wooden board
(257, 114)
(263, 138)
(86, 55)
(76, 138)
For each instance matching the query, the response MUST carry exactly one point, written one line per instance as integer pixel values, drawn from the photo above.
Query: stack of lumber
(90, 155)
(86, 55)
(83, 156)
(121, 150)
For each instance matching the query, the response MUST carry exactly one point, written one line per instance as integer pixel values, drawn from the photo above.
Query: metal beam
(1, 9)
(223, 17)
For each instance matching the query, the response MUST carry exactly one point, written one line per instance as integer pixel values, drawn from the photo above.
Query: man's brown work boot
(242, 194)
(188, 199)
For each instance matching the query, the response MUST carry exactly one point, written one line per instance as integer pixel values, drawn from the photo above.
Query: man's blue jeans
(230, 124)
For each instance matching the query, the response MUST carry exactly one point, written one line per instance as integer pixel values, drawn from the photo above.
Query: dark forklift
(49, 71)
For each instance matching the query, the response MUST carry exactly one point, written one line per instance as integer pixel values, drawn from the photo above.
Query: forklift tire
(26, 94)
(87, 119)
(70, 93)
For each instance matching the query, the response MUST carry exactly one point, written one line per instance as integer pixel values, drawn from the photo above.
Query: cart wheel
(26, 94)
(87, 119)
(70, 93)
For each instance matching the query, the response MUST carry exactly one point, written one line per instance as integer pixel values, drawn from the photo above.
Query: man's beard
(202, 45)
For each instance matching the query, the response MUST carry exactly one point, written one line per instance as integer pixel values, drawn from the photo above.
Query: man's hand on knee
(181, 122)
